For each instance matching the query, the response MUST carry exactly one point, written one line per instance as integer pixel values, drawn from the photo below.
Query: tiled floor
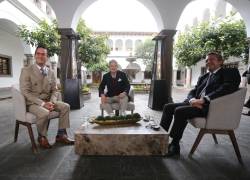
(210, 161)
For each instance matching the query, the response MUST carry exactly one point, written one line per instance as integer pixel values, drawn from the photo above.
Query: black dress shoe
(247, 105)
(246, 114)
(173, 150)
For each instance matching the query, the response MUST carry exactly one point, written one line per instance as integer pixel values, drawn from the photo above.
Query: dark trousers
(181, 112)
(247, 104)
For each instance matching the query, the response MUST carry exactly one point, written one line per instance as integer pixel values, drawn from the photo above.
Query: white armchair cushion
(20, 111)
(31, 118)
(198, 122)
(18, 103)
(224, 112)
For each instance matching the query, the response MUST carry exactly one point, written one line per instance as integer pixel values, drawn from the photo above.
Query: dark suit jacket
(115, 86)
(224, 81)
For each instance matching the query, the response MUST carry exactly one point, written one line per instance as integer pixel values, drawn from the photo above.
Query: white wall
(11, 46)
(196, 72)
(139, 77)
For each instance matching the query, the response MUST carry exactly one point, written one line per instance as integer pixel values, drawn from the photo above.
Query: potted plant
(86, 92)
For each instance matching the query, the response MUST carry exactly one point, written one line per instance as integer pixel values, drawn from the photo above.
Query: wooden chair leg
(34, 147)
(215, 138)
(197, 141)
(235, 145)
(16, 131)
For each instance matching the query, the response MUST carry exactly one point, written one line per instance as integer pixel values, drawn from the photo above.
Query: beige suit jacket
(37, 88)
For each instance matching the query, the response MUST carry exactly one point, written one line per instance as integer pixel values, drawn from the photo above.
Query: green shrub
(129, 116)
(85, 89)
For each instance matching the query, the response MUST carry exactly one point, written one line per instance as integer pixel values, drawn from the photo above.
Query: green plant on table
(127, 117)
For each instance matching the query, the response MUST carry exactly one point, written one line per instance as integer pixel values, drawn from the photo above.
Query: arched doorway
(12, 53)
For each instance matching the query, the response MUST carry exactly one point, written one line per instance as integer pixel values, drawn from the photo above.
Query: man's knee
(183, 112)
(169, 107)
(180, 111)
(66, 106)
(43, 114)
(105, 105)
(124, 99)
(63, 106)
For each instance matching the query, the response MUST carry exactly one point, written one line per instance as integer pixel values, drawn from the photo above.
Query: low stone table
(134, 139)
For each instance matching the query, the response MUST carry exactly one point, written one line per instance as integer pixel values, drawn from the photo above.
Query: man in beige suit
(38, 85)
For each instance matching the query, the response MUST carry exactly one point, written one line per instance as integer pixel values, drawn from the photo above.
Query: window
(118, 45)
(5, 65)
(147, 74)
(110, 44)
(58, 72)
(138, 42)
(129, 45)
(88, 76)
(178, 75)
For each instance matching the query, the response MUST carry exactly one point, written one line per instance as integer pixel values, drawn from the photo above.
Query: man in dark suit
(117, 89)
(247, 75)
(216, 83)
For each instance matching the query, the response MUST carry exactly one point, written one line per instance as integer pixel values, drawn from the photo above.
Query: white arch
(166, 12)
(241, 6)
(9, 16)
(68, 12)
(119, 44)
(13, 24)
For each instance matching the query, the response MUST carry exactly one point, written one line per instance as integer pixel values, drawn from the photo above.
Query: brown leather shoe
(64, 139)
(43, 142)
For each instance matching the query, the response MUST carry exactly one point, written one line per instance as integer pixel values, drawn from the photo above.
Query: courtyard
(210, 161)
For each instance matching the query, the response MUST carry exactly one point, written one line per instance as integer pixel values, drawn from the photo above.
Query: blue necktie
(43, 71)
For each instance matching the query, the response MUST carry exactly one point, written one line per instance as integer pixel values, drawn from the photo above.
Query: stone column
(67, 54)
(167, 67)
(161, 84)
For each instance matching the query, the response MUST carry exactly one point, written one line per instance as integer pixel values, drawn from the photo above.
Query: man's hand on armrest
(103, 98)
(197, 102)
(122, 95)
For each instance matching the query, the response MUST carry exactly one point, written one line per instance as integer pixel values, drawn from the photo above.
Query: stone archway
(221, 5)
(241, 6)
(69, 13)
(12, 50)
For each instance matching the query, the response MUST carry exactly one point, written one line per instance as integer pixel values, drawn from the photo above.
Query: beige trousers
(43, 113)
(123, 103)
